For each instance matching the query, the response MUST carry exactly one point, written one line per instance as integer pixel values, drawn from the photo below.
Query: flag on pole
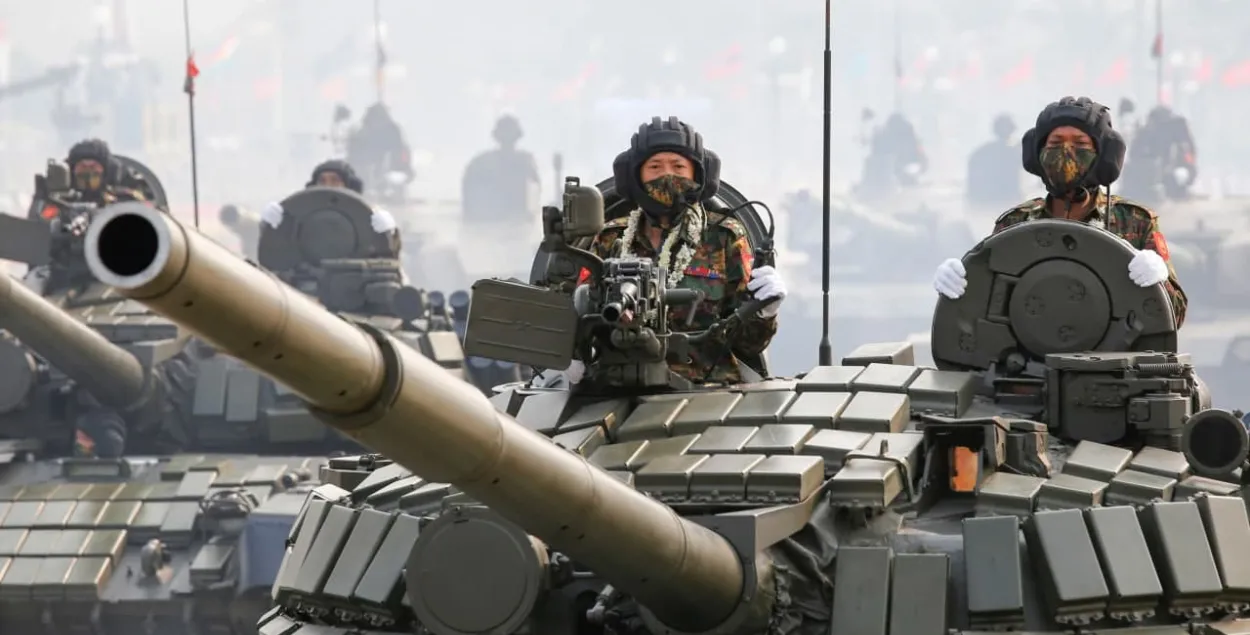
(193, 71)
(1156, 49)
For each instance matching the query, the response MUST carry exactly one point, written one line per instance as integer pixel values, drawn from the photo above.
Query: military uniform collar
(1097, 215)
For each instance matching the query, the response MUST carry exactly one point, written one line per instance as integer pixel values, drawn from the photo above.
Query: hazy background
(581, 75)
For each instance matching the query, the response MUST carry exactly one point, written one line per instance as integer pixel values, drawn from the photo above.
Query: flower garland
(691, 230)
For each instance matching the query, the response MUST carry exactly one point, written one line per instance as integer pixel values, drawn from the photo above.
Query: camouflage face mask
(88, 181)
(1065, 166)
(669, 188)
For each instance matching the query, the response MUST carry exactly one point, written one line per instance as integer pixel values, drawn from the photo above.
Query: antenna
(898, 56)
(826, 348)
(189, 88)
(1158, 52)
(377, 42)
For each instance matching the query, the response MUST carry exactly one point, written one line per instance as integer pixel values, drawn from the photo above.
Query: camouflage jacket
(1124, 218)
(720, 268)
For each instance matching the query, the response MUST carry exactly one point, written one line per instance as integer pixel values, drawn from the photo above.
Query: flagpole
(1159, 50)
(189, 88)
(898, 57)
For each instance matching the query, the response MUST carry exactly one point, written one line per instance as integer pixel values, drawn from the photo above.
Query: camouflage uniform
(1124, 218)
(720, 268)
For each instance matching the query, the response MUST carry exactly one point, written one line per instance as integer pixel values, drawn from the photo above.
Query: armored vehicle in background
(1052, 474)
(326, 247)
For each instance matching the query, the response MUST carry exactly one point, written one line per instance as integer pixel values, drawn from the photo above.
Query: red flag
(1116, 74)
(1156, 49)
(193, 71)
(1019, 74)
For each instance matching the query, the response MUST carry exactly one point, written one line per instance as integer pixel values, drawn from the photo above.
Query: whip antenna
(826, 349)
(188, 87)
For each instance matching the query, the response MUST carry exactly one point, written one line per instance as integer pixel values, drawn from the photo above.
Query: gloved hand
(766, 284)
(382, 221)
(575, 372)
(272, 214)
(1147, 268)
(951, 279)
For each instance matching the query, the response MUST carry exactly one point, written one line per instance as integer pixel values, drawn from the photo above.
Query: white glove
(766, 284)
(382, 221)
(575, 372)
(272, 214)
(1147, 268)
(951, 279)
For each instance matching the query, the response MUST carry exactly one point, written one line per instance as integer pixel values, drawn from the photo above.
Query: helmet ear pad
(1089, 117)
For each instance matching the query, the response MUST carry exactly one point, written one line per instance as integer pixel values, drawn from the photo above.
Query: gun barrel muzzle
(390, 398)
(1215, 443)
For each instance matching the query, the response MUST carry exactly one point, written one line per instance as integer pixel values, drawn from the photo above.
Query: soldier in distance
(501, 185)
(1076, 153)
(993, 179)
(334, 173)
(96, 177)
(668, 174)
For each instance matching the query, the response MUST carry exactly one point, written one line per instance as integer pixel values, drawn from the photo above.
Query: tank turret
(1060, 471)
(328, 243)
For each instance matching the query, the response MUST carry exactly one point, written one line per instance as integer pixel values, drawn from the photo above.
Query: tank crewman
(335, 173)
(501, 185)
(96, 177)
(1076, 153)
(668, 174)
(993, 178)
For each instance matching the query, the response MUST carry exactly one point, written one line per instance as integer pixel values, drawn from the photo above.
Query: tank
(168, 546)
(1057, 471)
(326, 247)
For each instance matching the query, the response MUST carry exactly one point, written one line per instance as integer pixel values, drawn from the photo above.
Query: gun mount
(619, 325)
(362, 382)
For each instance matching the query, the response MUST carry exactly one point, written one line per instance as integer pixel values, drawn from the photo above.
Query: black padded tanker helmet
(1088, 116)
(341, 168)
(665, 135)
(94, 150)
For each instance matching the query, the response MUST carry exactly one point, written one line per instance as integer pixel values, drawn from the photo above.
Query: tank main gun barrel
(111, 374)
(392, 399)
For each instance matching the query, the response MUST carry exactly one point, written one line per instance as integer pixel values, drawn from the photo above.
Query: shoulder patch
(1136, 208)
(1027, 207)
(732, 224)
(620, 222)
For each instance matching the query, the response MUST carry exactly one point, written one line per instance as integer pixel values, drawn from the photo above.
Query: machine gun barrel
(391, 398)
(110, 373)
(621, 309)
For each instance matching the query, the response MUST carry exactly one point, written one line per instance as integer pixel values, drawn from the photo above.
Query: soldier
(1162, 161)
(501, 185)
(379, 149)
(1075, 152)
(668, 174)
(96, 177)
(993, 179)
(334, 173)
(895, 160)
